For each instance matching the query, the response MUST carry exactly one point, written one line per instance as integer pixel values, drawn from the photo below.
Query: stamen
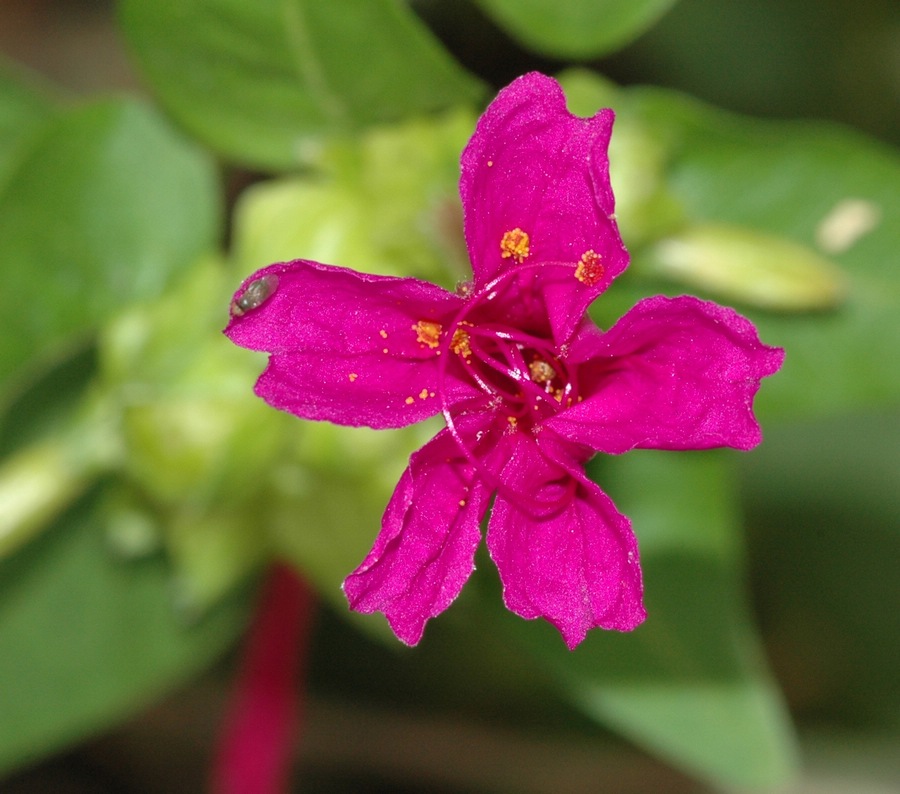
(428, 333)
(515, 244)
(589, 270)
(460, 342)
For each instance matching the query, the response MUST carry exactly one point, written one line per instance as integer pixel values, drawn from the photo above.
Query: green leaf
(826, 189)
(577, 28)
(42, 478)
(388, 203)
(105, 208)
(262, 81)
(690, 683)
(23, 111)
(821, 499)
(86, 638)
(198, 444)
(793, 180)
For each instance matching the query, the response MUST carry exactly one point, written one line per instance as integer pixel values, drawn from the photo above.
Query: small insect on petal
(256, 294)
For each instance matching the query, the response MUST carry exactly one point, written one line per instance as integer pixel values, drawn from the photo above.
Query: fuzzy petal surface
(532, 165)
(344, 345)
(425, 551)
(576, 566)
(672, 373)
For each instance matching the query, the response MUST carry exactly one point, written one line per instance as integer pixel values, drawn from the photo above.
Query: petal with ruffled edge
(425, 551)
(346, 347)
(672, 373)
(533, 166)
(577, 566)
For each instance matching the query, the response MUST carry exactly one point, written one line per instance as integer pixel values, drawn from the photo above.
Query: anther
(515, 244)
(428, 333)
(589, 270)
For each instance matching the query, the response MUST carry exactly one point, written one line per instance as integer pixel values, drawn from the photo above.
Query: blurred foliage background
(153, 153)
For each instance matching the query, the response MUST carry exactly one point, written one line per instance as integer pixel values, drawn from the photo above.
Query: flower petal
(425, 551)
(533, 166)
(576, 566)
(673, 373)
(346, 347)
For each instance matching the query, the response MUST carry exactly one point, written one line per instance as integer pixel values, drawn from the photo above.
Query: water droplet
(255, 295)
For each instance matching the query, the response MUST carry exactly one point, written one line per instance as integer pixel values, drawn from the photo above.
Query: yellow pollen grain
(423, 394)
(384, 350)
(512, 422)
(409, 400)
(353, 376)
(515, 244)
(490, 163)
(462, 502)
(428, 333)
(382, 333)
(590, 269)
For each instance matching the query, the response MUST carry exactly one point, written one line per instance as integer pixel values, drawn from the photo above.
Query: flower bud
(739, 264)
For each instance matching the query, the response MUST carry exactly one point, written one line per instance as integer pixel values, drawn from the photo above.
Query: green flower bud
(743, 265)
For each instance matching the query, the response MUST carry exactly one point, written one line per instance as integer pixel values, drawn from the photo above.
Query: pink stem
(264, 717)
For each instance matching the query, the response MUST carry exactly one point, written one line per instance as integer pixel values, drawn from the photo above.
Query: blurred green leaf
(198, 443)
(105, 208)
(690, 683)
(789, 179)
(42, 478)
(23, 110)
(576, 28)
(818, 186)
(262, 81)
(387, 203)
(821, 498)
(86, 638)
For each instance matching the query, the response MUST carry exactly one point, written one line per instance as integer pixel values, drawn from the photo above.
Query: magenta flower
(528, 386)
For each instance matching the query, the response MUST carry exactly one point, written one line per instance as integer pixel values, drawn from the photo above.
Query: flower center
(502, 342)
(519, 374)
